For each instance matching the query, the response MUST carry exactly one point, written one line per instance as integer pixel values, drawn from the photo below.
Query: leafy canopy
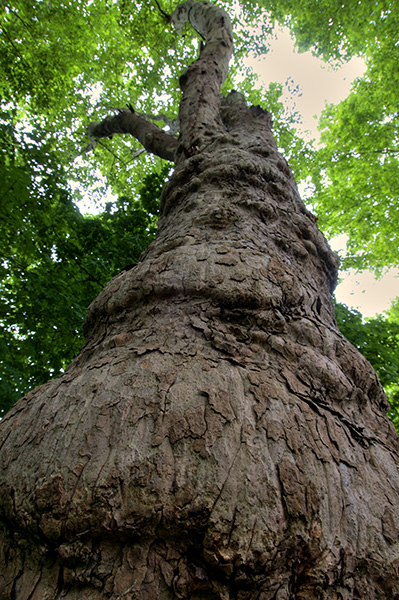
(356, 172)
(55, 261)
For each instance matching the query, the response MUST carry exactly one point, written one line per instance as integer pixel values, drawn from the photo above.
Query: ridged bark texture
(217, 438)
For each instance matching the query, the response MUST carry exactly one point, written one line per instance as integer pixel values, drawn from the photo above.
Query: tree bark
(217, 438)
(154, 140)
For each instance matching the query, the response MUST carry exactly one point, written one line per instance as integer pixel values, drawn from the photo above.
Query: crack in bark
(357, 431)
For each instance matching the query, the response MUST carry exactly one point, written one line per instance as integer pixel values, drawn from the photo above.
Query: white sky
(319, 84)
(362, 290)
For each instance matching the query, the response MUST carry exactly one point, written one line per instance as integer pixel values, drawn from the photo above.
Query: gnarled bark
(152, 138)
(217, 438)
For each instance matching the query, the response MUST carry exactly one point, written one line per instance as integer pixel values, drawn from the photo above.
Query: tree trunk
(217, 438)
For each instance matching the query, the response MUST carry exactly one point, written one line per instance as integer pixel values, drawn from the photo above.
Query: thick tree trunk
(217, 438)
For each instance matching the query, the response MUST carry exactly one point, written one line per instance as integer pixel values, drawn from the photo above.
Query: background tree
(378, 340)
(55, 261)
(356, 173)
(217, 437)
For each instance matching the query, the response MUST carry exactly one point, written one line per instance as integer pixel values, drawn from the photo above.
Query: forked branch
(201, 83)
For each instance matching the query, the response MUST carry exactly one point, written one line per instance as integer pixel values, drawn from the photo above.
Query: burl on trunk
(217, 438)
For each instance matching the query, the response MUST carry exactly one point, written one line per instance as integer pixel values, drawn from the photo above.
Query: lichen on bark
(217, 437)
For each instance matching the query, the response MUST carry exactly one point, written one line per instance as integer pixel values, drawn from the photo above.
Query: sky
(320, 84)
(363, 291)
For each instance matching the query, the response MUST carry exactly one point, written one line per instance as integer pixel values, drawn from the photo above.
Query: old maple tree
(217, 437)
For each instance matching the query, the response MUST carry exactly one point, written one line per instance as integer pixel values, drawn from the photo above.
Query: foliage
(65, 64)
(357, 175)
(377, 339)
(55, 260)
(356, 171)
(335, 30)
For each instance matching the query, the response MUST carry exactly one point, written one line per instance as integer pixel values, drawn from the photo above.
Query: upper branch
(201, 83)
(154, 139)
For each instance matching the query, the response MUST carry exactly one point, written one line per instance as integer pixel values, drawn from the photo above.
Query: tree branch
(154, 139)
(201, 83)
